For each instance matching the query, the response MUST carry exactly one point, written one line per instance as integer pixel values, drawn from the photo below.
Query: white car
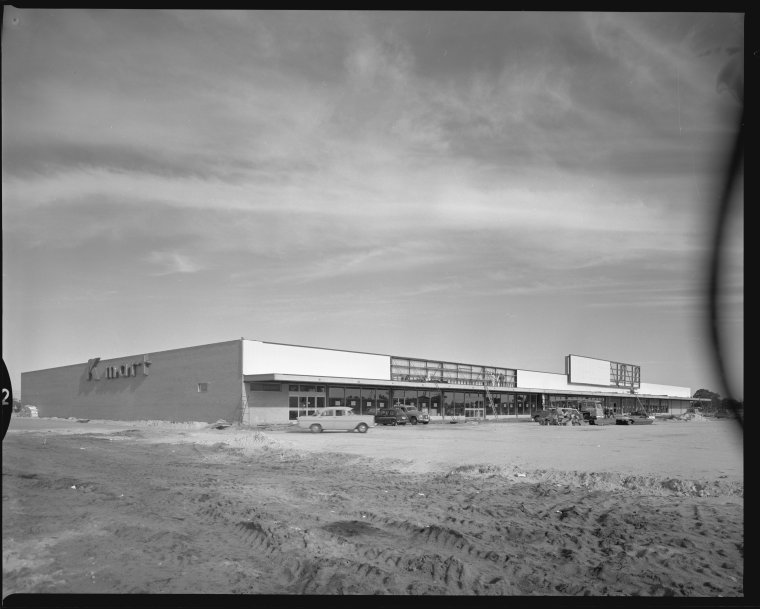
(336, 418)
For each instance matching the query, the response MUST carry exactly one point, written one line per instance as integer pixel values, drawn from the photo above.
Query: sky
(498, 188)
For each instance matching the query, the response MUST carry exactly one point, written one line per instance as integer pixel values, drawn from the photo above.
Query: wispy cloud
(387, 163)
(170, 263)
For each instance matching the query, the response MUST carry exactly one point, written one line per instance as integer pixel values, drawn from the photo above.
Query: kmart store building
(257, 382)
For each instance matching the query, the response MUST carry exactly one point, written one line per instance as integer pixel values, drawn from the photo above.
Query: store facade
(257, 382)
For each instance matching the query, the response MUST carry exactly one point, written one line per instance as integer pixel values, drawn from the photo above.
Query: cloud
(435, 154)
(172, 262)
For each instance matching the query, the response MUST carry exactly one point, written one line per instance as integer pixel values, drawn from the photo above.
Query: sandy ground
(490, 508)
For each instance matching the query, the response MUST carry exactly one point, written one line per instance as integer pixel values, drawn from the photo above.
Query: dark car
(391, 416)
(635, 418)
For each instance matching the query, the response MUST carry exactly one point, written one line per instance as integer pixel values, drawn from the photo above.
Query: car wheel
(316, 428)
(362, 427)
(413, 420)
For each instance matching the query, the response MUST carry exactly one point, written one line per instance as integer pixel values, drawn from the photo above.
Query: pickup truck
(415, 416)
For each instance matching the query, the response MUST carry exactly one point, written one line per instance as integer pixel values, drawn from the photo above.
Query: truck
(593, 412)
(415, 416)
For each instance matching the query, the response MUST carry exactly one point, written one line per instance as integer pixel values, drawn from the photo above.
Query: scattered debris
(565, 512)
(220, 424)
(27, 411)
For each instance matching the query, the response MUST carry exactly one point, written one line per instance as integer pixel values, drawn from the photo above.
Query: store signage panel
(588, 371)
(591, 371)
(127, 369)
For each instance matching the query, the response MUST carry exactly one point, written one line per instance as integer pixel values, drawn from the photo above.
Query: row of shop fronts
(305, 399)
(258, 382)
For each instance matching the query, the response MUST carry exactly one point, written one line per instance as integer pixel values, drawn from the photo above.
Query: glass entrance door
(306, 405)
(474, 405)
(305, 399)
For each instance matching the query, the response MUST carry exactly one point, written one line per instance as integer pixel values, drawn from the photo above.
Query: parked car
(559, 416)
(635, 418)
(391, 416)
(415, 416)
(336, 418)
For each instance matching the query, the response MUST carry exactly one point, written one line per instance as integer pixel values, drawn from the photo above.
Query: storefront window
(459, 403)
(510, 403)
(435, 404)
(448, 403)
(473, 404)
(368, 400)
(423, 401)
(382, 398)
(336, 396)
(629, 405)
(353, 399)
(532, 402)
(520, 399)
(497, 405)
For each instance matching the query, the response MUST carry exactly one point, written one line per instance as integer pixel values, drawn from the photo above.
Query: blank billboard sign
(592, 371)
(588, 371)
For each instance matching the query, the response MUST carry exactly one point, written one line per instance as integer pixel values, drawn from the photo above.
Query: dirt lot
(495, 509)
